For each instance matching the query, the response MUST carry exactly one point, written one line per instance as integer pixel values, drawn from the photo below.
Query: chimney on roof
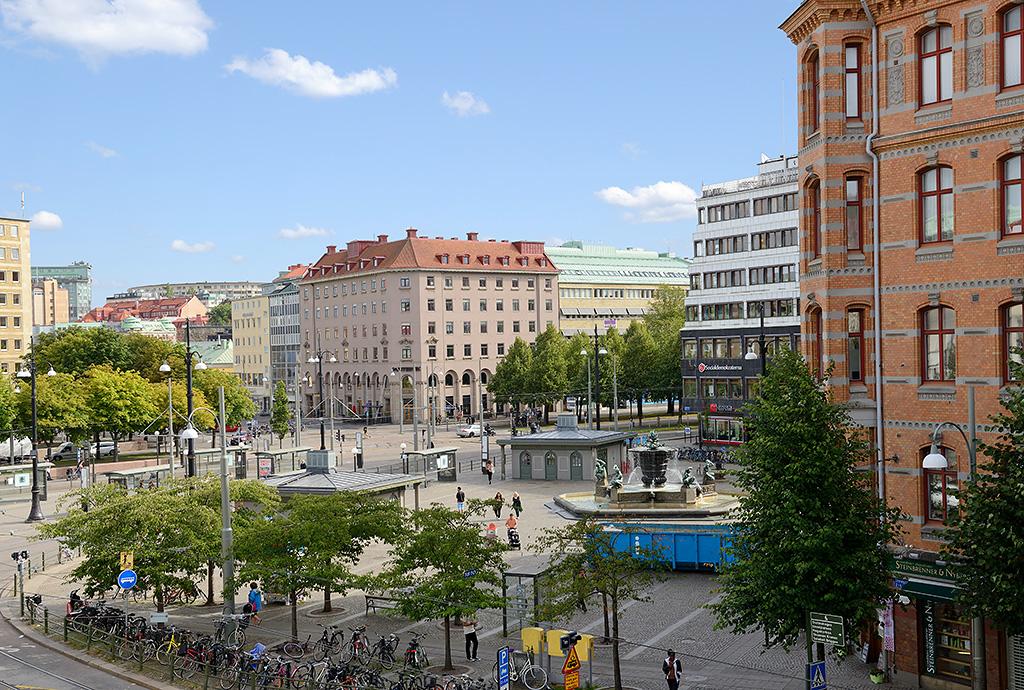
(410, 233)
(381, 239)
(455, 238)
(332, 248)
(438, 238)
(492, 240)
(472, 236)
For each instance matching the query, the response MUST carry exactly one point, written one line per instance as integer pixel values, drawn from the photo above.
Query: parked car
(105, 449)
(65, 451)
(469, 431)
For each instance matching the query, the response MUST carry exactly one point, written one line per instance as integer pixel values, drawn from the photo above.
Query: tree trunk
(115, 446)
(547, 410)
(209, 583)
(604, 606)
(671, 404)
(158, 596)
(295, 615)
(615, 643)
(640, 407)
(327, 599)
(448, 644)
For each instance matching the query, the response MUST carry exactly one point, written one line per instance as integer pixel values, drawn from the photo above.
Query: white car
(469, 431)
(104, 449)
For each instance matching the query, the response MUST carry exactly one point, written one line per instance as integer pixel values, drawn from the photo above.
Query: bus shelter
(521, 587)
(140, 478)
(270, 462)
(16, 481)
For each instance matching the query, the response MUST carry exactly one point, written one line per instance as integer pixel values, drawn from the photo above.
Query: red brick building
(915, 309)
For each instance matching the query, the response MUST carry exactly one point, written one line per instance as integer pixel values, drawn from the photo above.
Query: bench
(379, 602)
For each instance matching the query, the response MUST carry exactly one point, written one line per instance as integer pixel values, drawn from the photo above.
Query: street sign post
(827, 628)
(571, 669)
(571, 680)
(816, 674)
(126, 579)
(503, 675)
(127, 560)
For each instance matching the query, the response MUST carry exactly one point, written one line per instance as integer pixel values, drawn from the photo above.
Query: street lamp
(751, 355)
(405, 458)
(190, 434)
(355, 457)
(190, 469)
(35, 513)
(165, 368)
(590, 415)
(318, 359)
(615, 386)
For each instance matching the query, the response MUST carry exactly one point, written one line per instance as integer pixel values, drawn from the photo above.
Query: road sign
(827, 628)
(572, 680)
(572, 661)
(126, 579)
(503, 679)
(156, 618)
(127, 560)
(816, 673)
(899, 583)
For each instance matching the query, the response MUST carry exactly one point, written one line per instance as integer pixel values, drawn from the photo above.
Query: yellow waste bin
(585, 647)
(533, 639)
(554, 637)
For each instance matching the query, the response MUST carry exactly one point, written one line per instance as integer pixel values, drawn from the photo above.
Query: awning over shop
(928, 590)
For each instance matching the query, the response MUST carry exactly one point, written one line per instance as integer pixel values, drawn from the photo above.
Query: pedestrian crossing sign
(816, 673)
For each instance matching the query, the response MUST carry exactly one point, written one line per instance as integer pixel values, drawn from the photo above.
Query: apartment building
(50, 303)
(210, 293)
(250, 334)
(602, 287)
(745, 261)
(912, 269)
(15, 293)
(437, 312)
(76, 278)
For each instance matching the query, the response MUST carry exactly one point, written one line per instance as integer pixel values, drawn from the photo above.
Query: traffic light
(567, 641)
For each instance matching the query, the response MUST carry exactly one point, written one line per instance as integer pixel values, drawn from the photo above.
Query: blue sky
(199, 140)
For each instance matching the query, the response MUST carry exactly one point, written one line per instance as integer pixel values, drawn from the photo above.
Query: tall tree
(145, 354)
(60, 407)
(238, 404)
(221, 314)
(446, 567)
(986, 538)
(74, 350)
(665, 317)
(615, 346)
(547, 377)
(587, 559)
(9, 405)
(280, 413)
(636, 375)
(118, 402)
(811, 535)
(576, 369)
(511, 376)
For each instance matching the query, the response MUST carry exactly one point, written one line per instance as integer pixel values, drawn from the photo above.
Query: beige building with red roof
(439, 313)
(120, 307)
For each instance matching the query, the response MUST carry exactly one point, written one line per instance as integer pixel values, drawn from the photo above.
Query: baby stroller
(513, 539)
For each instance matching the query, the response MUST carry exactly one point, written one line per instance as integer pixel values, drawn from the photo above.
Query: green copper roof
(594, 263)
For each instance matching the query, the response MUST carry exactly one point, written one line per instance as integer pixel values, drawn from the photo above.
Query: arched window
(1012, 56)
(935, 65)
(816, 357)
(449, 379)
(851, 83)
(855, 343)
(936, 213)
(467, 379)
(854, 221)
(938, 344)
(813, 82)
(1013, 338)
(941, 489)
(483, 377)
(1009, 177)
(813, 230)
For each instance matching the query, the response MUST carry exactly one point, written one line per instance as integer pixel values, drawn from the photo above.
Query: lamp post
(590, 414)
(190, 468)
(165, 368)
(355, 457)
(405, 458)
(615, 387)
(750, 356)
(190, 434)
(937, 461)
(318, 359)
(35, 513)
(597, 380)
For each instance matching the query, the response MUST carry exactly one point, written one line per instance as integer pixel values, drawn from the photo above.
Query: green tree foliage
(60, 406)
(665, 317)
(221, 314)
(118, 402)
(810, 534)
(637, 376)
(986, 539)
(615, 345)
(576, 364)
(179, 398)
(510, 382)
(445, 566)
(280, 413)
(238, 403)
(547, 375)
(145, 354)
(315, 543)
(9, 405)
(74, 350)
(586, 558)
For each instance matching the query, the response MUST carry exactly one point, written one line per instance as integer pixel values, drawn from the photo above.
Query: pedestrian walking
(517, 503)
(489, 470)
(512, 523)
(460, 500)
(256, 602)
(673, 670)
(469, 630)
(499, 501)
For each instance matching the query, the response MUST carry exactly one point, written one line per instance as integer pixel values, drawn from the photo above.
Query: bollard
(29, 566)
(15, 585)
(65, 629)
(46, 621)
(206, 675)
(44, 561)
(31, 613)
(88, 642)
(59, 556)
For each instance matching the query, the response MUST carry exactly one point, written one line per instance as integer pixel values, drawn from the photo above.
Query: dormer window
(443, 258)
(503, 260)
(485, 260)
(464, 259)
(542, 262)
(523, 261)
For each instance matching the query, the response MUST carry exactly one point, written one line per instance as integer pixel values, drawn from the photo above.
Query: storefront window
(690, 348)
(947, 641)
(689, 388)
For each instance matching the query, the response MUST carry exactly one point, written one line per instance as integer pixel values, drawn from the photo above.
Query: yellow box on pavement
(533, 639)
(554, 637)
(585, 647)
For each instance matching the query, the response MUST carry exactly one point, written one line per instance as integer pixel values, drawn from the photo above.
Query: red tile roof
(122, 308)
(294, 272)
(424, 252)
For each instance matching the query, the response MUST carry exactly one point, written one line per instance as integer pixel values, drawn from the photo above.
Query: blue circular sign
(126, 579)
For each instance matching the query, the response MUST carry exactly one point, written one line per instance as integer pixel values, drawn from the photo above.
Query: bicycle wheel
(386, 659)
(494, 672)
(293, 650)
(320, 650)
(124, 649)
(184, 667)
(302, 677)
(239, 637)
(534, 677)
(166, 652)
(139, 595)
(228, 677)
(189, 595)
(147, 650)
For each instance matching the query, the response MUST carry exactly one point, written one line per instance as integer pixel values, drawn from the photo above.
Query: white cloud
(194, 248)
(301, 232)
(632, 150)
(661, 202)
(237, 259)
(98, 28)
(46, 220)
(314, 79)
(465, 103)
(100, 150)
